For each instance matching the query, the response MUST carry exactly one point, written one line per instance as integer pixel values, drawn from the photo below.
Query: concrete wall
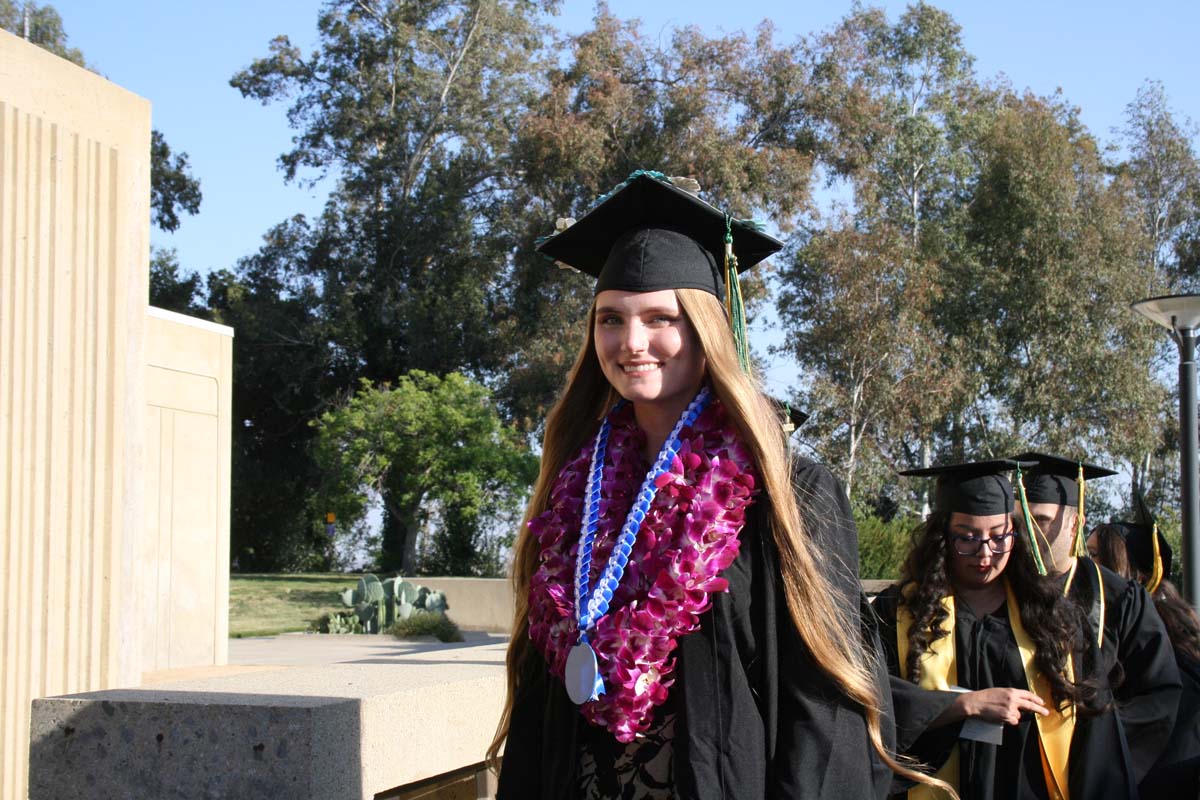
(74, 243)
(476, 604)
(185, 550)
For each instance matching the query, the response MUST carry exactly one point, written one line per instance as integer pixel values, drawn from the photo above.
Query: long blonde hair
(823, 625)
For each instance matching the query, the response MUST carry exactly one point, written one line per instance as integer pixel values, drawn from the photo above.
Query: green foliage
(433, 448)
(283, 371)
(173, 189)
(173, 289)
(882, 545)
(338, 622)
(40, 25)
(971, 301)
(426, 623)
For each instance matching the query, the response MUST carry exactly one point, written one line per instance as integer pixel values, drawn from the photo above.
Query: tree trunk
(401, 524)
(926, 458)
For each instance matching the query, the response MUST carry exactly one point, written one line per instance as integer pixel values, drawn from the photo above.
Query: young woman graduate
(688, 617)
(1138, 662)
(1138, 551)
(988, 658)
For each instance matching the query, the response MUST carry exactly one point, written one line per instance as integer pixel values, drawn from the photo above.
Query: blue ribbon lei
(591, 604)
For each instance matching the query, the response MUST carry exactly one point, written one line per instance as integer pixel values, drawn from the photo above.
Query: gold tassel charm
(1079, 545)
(1156, 575)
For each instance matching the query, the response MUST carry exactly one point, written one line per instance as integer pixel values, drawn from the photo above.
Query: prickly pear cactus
(436, 601)
(376, 604)
(406, 598)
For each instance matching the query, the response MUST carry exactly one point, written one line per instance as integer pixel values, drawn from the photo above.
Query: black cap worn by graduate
(1058, 481)
(1144, 543)
(790, 417)
(978, 488)
(653, 232)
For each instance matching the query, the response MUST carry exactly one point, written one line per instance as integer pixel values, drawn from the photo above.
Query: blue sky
(180, 56)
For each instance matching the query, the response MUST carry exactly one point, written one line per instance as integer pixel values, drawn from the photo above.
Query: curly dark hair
(1056, 625)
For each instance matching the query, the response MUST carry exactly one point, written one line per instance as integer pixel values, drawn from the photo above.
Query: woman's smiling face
(647, 348)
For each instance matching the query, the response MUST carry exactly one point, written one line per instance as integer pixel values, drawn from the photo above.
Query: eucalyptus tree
(718, 109)
(888, 108)
(1055, 259)
(1164, 174)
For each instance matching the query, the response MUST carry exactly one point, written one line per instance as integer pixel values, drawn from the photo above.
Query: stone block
(324, 732)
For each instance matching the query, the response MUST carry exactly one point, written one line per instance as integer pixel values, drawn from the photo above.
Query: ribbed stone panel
(74, 227)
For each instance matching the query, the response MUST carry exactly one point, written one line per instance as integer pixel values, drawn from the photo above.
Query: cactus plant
(376, 605)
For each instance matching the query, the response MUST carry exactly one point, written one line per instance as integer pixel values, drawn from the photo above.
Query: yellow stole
(939, 671)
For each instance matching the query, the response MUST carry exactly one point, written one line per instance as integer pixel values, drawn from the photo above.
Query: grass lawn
(263, 605)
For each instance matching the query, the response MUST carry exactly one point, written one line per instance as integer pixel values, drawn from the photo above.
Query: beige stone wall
(185, 550)
(74, 242)
(476, 604)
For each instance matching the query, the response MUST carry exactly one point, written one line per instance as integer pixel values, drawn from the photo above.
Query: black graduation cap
(979, 488)
(1054, 480)
(649, 234)
(1139, 538)
(790, 417)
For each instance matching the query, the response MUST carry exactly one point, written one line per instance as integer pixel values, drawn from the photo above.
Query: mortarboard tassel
(1030, 526)
(733, 300)
(1156, 574)
(1079, 546)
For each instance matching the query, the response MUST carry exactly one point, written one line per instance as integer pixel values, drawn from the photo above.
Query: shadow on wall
(164, 744)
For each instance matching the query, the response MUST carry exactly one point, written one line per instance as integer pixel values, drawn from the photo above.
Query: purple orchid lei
(689, 536)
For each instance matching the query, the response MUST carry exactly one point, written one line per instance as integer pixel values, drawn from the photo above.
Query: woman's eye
(610, 320)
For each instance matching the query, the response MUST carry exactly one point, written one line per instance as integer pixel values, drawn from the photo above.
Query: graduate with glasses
(1137, 658)
(990, 665)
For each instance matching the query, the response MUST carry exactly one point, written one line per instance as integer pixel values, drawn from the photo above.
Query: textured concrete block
(327, 732)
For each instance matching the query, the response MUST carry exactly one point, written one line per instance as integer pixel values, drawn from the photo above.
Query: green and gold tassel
(733, 300)
(1030, 525)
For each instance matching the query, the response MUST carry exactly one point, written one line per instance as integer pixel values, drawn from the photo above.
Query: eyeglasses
(972, 545)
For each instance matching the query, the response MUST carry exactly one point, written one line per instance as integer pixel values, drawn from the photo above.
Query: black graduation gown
(987, 656)
(1147, 686)
(755, 719)
(1177, 772)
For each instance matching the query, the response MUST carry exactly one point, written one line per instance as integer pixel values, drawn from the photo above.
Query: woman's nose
(635, 337)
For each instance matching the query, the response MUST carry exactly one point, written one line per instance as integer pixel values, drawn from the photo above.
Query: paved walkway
(312, 649)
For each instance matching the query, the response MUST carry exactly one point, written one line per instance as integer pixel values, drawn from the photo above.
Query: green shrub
(426, 623)
(337, 622)
(882, 546)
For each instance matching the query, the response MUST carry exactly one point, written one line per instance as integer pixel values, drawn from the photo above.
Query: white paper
(978, 730)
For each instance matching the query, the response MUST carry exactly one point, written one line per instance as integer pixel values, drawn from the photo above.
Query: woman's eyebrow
(639, 312)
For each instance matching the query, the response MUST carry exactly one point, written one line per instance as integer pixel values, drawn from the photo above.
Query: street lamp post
(1180, 314)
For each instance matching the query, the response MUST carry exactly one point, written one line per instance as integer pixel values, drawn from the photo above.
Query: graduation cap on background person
(649, 234)
(979, 488)
(1058, 481)
(1145, 545)
(790, 417)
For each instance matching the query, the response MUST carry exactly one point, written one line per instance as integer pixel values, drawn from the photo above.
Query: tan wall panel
(74, 240)
(185, 607)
